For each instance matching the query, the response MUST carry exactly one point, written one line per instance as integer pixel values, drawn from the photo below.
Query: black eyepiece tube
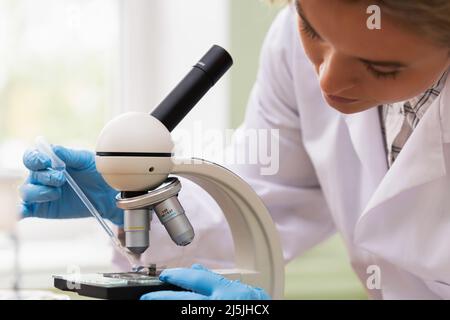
(211, 67)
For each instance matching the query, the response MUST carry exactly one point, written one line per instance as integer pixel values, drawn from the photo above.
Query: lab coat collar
(421, 160)
(391, 227)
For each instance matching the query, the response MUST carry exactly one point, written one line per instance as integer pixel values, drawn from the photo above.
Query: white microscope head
(134, 152)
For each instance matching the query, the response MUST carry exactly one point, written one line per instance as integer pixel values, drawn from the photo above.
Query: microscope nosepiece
(138, 208)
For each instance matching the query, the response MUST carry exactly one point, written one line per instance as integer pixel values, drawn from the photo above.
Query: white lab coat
(334, 177)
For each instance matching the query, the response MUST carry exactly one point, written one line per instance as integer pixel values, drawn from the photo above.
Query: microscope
(134, 154)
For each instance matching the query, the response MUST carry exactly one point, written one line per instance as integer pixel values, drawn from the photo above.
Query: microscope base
(112, 286)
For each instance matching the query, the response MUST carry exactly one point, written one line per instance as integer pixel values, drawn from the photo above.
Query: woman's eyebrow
(305, 21)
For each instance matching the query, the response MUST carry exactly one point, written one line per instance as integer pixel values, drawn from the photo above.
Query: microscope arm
(258, 252)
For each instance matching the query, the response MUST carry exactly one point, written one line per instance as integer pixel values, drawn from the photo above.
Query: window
(66, 67)
(59, 77)
(58, 71)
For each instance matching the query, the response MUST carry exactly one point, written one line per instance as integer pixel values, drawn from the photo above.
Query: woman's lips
(340, 99)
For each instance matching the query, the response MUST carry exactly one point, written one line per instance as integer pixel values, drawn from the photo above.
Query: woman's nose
(336, 75)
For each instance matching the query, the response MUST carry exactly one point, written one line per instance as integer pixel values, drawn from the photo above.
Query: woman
(364, 120)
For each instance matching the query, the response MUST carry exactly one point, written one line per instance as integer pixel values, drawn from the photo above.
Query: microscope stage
(111, 286)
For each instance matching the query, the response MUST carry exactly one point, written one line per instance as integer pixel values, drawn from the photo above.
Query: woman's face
(359, 68)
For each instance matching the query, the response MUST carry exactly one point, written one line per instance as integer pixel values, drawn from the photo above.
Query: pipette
(57, 164)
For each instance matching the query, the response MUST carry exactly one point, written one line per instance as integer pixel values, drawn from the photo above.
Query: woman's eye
(310, 32)
(381, 74)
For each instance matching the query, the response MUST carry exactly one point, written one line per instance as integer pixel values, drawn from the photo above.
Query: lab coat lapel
(367, 139)
(420, 161)
(410, 201)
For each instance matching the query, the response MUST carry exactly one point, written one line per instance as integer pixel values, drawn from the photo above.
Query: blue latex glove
(46, 194)
(204, 285)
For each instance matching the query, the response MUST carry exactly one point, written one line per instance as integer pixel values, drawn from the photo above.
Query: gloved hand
(205, 285)
(46, 194)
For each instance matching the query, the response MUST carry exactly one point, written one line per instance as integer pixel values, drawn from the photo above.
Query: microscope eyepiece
(215, 63)
(203, 76)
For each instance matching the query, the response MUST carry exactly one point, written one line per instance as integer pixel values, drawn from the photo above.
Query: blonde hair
(429, 18)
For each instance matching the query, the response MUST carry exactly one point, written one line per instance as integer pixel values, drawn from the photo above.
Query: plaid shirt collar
(398, 120)
(419, 105)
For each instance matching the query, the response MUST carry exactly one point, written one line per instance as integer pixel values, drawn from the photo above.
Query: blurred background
(67, 66)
